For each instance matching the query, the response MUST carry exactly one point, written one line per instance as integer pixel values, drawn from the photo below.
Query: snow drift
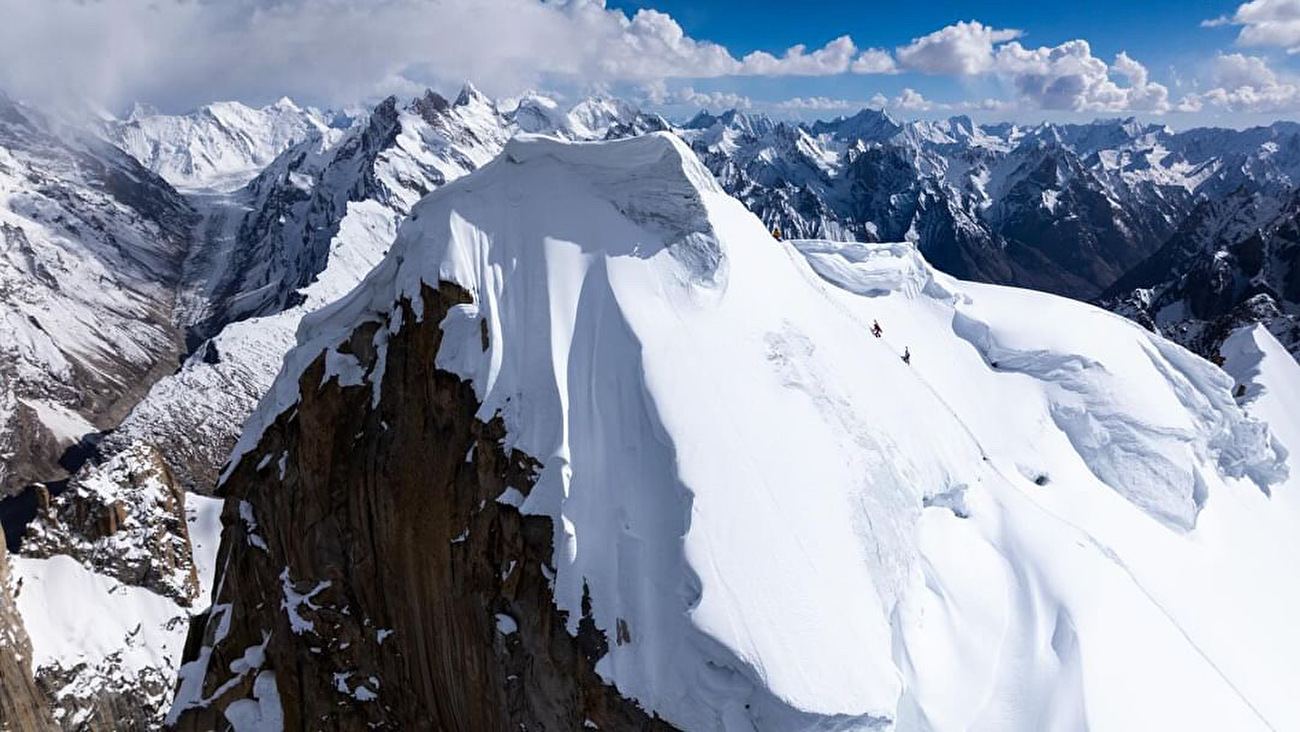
(1050, 519)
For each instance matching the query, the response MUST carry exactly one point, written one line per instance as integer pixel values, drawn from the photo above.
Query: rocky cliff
(409, 597)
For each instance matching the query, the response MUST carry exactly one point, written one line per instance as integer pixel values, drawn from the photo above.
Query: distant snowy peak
(868, 125)
(594, 118)
(220, 145)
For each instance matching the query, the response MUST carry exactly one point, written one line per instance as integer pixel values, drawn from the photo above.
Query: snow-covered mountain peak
(826, 529)
(469, 94)
(868, 125)
(535, 113)
(220, 145)
(592, 118)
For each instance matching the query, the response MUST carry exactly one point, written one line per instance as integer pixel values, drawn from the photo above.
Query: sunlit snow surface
(1050, 519)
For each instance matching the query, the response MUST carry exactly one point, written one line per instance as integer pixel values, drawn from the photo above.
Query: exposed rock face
(408, 597)
(22, 707)
(116, 540)
(1234, 261)
(85, 701)
(126, 519)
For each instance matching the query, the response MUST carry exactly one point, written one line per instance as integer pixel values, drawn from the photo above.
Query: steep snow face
(781, 524)
(219, 146)
(92, 245)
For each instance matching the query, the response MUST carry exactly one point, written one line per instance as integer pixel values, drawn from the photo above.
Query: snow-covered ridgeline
(789, 525)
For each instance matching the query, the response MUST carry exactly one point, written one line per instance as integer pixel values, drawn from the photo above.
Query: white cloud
(1068, 77)
(911, 100)
(1245, 84)
(714, 100)
(1265, 23)
(836, 57)
(818, 104)
(1233, 70)
(833, 58)
(961, 49)
(1065, 77)
(657, 92)
(179, 53)
(874, 61)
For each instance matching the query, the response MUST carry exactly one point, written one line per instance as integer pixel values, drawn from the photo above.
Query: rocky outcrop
(22, 707)
(86, 699)
(126, 520)
(123, 526)
(372, 579)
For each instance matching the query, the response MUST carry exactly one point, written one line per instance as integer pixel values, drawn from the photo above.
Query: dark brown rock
(376, 579)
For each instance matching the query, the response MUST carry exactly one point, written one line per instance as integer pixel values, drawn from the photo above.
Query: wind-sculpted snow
(1149, 444)
(872, 270)
(780, 524)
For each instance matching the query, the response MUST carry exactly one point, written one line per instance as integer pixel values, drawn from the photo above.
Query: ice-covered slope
(760, 516)
(221, 145)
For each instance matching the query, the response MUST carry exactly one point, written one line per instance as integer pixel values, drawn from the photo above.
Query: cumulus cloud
(1244, 84)
(817, 104)
(1265, 23)
(824, 104)
(961, 49)
(836, 57)
(179, 52)
(911, 100)
(1068, 77)
(1064, 77)
(874, 61)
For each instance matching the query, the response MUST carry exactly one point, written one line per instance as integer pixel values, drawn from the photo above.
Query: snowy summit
(773, 520)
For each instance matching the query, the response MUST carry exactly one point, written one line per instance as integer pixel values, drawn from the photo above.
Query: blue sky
(1194, 62)
(1169, 37)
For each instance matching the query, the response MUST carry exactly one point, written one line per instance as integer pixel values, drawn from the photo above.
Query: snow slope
(1258, 362)
(1050, 519)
